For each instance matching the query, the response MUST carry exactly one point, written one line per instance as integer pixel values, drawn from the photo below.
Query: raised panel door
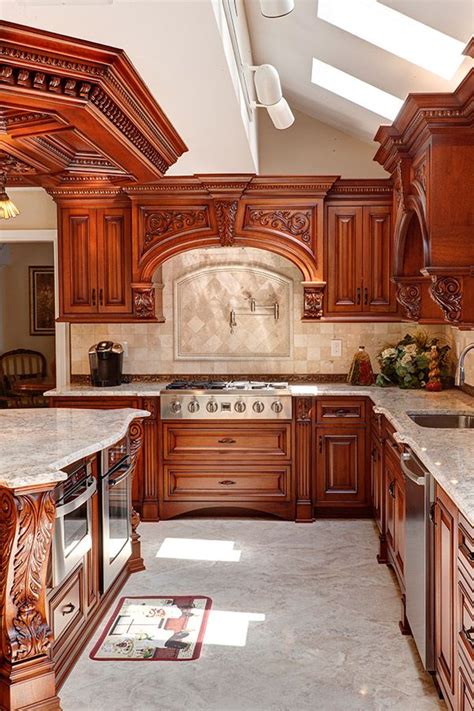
(114, 261)
(340, 466)
(78, 261)
(378, 289)
(344, 259)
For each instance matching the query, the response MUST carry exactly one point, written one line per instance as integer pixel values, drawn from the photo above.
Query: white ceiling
(290, 43)
(176, 46)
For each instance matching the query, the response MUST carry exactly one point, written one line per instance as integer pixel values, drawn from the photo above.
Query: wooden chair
(18, 365)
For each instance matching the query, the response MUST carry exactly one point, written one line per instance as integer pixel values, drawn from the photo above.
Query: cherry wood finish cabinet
(95, 263)
(359, 261)
(394, 493)
(377, 482)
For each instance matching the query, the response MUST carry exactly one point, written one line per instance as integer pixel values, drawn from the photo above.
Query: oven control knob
(258, 406)
(277, 406)
(240, 406)
(193, 406)
(175, 407)
(212, 406)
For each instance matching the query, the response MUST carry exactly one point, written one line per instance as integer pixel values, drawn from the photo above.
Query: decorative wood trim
(291, 221)
(162, 223)
(303, 459)
(144, 301)
(409, 297)
(447, 292)
(226, 213)
(313, 294)
(136, 435)
(151, 495)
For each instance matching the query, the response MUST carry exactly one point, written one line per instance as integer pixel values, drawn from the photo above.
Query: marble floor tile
(321, 635)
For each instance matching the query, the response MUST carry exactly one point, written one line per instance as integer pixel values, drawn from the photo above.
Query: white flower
(389, 353)
(406, 359)
(412, 349)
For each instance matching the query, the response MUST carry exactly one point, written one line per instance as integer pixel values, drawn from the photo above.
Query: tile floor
(320, 633)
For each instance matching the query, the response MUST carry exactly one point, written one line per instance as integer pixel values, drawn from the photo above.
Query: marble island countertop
(447, 453)
(35, 444)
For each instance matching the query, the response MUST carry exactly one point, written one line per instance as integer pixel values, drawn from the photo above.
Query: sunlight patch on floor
(230, 629)
(198, 549)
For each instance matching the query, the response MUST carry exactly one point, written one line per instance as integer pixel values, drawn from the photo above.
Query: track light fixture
(270, 96)
(276, 8)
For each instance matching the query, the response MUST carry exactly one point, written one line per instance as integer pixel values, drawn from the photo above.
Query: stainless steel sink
(452, 420)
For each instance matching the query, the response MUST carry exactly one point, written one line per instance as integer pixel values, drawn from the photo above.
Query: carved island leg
(136, 441)
(27, 679)
(304, 505)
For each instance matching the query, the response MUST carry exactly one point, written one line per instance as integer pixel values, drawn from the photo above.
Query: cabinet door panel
(344, 254)
(376, 481)
(340, 476)
(114, 261)
(379, 291)
(78, 262)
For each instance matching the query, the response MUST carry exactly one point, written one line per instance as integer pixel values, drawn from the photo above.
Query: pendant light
(7, 207)
(276, 8)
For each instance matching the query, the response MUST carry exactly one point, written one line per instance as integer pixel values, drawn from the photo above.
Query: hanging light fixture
(7, 207)
(276, 8)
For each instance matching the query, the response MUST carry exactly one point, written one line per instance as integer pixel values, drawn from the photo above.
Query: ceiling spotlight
(276, 8)
(7, 207)
(270, 97)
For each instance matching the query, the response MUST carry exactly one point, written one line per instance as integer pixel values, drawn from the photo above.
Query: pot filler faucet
(460, 369)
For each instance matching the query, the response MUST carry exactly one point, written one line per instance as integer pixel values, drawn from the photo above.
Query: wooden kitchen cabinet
(394, 500)
(359, 261)
(95, 263)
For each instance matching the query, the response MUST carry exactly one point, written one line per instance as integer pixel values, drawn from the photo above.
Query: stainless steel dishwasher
(419, 555)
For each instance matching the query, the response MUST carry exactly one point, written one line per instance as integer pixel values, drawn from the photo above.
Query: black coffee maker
(106, 360)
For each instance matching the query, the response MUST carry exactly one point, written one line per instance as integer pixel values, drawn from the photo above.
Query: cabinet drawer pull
(226, 440)
(101, 297)
(358, 295)
(374, 454)
(227, 482)
(321, 445)
(366, 296)
(470, 635)
(391, 489)
(68, 609)
(93, 297)
(343, 412)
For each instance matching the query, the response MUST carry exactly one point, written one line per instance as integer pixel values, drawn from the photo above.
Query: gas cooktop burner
(225, 385)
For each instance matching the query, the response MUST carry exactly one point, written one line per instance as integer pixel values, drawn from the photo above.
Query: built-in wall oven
(73, 526)
(116, 497)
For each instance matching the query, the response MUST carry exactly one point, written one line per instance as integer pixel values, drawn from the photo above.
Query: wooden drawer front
(340, 411)
(466, 547)
(186, 442)
(101, 402)
(243, 483)
(66, 608)
(466, 618)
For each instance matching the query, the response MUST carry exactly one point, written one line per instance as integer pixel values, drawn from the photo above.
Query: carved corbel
(303, 417)
(26, 528)
(144, 301)
(136, 441)
(409, 297)
(226, 213)
(447, 292)
(313, 300)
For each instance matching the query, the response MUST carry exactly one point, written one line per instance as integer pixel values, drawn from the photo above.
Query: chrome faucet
(459, 381)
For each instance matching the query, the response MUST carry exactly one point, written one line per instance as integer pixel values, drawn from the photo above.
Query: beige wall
(460, 339)
(37, 210)
(151, 346)
(311, 147)
(14, 298)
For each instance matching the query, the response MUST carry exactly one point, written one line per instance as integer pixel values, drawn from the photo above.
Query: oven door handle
(115, 482)
(66, 509)
(404, 458)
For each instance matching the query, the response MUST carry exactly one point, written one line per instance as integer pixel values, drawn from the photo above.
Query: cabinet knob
(227, 482)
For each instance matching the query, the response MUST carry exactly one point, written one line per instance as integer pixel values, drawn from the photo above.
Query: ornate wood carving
(303, 417)
(135, 432)
(398, 190)
(447, 293)
(297, 223)
(26, 527)
(144, 302)
(150, 508)
(226, 212)
(9, 164)
(409, 297)
(167, 222)
(313, 301)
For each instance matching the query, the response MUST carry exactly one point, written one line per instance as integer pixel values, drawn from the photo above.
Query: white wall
(310, 147)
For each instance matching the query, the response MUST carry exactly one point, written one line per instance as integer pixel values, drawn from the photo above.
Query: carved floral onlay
(294, 222)
(398, 189)
(144, 302)
(303, 410)
(409, 297)
(446, 291)
(313, 301)
(165, 223)
(26, 528)
(11, 164)
(226, 213)
(420, 174)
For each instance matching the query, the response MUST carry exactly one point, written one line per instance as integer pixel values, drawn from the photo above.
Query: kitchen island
(35, 448)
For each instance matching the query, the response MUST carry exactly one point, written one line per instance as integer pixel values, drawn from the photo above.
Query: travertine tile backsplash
(181, 345)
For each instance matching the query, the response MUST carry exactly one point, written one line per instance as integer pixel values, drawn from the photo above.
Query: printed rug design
(156, 629)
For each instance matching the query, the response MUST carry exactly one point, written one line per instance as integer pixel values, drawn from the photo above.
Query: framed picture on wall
(41, 301)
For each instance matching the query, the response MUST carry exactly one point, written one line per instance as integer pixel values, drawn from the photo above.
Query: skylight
(396, 33)
(355, 90)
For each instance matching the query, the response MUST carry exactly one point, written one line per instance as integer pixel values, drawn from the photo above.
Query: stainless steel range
(233, 400)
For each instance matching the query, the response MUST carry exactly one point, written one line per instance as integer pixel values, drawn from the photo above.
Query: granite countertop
(36, 443)
(447, 453)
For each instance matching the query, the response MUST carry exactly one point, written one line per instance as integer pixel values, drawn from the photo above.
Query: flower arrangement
(408, 364)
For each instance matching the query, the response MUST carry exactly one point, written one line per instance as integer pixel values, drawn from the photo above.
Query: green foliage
(407, 363)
